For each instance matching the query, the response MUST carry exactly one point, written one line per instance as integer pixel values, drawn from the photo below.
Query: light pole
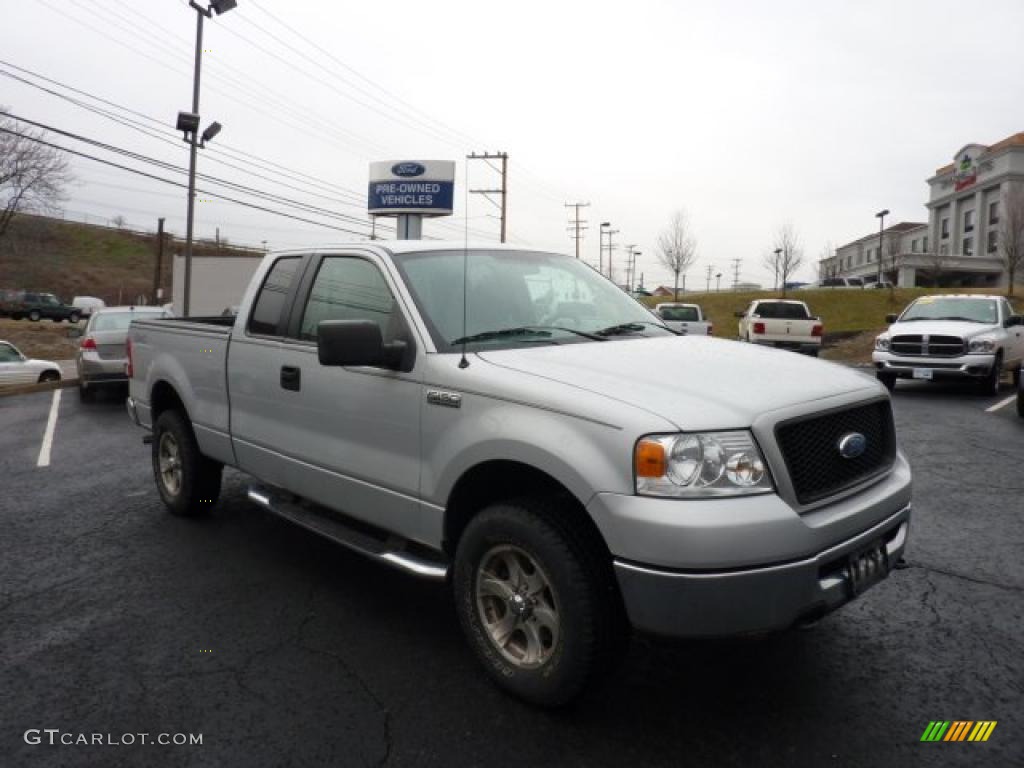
(718, 282)
(881, 227)
(188, 122)
(778, 253)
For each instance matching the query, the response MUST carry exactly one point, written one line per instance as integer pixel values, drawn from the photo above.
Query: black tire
(47, 377)
(1016, 378)
(888, 381)
(34, 316)
(592, 629)
(198, 483)
(73, 318)
(1020, 403)
(990, 384)
(16, 316)
(86, 394)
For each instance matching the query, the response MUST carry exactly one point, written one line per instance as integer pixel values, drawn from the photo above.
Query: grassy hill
(70, 259)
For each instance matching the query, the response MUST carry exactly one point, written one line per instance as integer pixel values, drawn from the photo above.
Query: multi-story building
(959, 245)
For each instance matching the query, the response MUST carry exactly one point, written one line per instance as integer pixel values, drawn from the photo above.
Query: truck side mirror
(890, 318)
(357, 342)
(1014, 320)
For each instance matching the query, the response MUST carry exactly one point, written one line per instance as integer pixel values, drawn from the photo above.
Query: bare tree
(788, 255)
(32, 175)
(937, 259)
(677, 248)
(119, 221)
(1011, 234)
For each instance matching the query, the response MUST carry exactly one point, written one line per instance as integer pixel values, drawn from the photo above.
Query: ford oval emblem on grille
(852, 445)
(408, 169)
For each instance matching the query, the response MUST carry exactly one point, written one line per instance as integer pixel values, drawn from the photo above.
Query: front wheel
(48, 377)
(990, 384)
(189, 483)
(537, 602)
(34, 316)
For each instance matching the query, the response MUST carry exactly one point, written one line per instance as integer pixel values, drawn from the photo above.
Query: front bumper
(964, 367)
(751, 600)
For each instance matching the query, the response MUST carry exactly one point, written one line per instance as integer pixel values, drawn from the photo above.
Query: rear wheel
(537, 602)
(888, 380)
(189, 483)
(1020, 403)
(74, 317)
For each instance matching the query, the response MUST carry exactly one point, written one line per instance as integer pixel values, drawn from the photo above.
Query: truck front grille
(810, 447)
(928, 346)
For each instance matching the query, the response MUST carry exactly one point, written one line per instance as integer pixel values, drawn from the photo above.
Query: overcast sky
(746, 114)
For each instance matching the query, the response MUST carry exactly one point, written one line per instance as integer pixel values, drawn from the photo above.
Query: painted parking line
(1001, 404)
(51, 426)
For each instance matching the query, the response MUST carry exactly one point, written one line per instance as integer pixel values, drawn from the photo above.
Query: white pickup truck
(571, 467)
(966, 337)
(685, 319)
(781, 323)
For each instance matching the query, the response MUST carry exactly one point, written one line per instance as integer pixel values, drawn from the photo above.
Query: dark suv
(36, 306)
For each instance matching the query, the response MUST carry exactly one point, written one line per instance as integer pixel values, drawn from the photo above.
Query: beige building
(959, 245)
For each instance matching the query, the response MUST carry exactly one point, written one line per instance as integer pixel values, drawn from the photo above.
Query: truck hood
(941, 328)
(695, 382)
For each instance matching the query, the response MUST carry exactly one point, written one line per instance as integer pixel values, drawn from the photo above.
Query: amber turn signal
(650, 459)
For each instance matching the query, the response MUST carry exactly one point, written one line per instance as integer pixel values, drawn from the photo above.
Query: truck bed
(191, 355)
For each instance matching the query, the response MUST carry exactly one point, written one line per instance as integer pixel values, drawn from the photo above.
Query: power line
(577, 224)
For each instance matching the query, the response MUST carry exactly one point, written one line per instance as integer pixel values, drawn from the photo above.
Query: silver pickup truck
(572, 467)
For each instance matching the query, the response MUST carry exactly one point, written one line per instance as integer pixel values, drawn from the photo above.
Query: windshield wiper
(541, 331)
(632, 327)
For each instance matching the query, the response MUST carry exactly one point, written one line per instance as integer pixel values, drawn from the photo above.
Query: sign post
(411, 190)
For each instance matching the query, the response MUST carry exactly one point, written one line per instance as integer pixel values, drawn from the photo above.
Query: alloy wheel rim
(169, 459)
(517, 606)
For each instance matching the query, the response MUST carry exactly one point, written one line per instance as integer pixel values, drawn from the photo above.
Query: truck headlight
(882, 343)
(981, 345)
(699, 465)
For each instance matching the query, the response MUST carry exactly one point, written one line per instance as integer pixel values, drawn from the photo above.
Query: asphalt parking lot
(282, 649)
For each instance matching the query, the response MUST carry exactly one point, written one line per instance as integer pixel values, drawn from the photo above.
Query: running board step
(391, 551)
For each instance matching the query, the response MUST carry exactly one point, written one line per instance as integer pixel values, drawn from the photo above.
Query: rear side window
(348, 288)
(266, 312)
(679, 314)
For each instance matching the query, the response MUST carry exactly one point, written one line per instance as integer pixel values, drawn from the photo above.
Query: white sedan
(17, 369)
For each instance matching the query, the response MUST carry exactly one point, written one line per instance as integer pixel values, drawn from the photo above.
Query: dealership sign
(424, 187)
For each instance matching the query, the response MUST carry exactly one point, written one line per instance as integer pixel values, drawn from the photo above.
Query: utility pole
(629, 263)
(159, 260)
(503, 191)
(577, 224)
(778, 255)
(611, 251)
(736, 272)
(708, 286)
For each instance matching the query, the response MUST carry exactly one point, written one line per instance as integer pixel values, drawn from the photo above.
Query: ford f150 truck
(966, 337)
(783, 324)
(686, 319)
(571, 466)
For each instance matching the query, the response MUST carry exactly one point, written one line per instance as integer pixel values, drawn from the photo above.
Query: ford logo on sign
(408, 169)
(852, 445)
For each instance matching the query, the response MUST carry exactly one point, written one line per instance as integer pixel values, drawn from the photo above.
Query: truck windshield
(777, 310)
(971, 310)
(515, 290)
(679, 314)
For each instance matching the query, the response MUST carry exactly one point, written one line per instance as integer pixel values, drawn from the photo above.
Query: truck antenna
(464, 362)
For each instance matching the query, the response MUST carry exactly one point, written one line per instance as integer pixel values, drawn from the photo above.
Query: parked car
(100, 359)
(562, 490)
(88, 304)
(952, 337)
(38, 306)
(835, 282)
(687, 319)
(781, 323)
(16, 368)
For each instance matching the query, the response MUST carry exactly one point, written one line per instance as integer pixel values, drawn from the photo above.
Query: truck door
(347, 438)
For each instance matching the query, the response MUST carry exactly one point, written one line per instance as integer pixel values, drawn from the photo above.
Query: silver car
(17, 369)
(101, 357)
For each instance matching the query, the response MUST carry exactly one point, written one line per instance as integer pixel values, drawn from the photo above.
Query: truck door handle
(291, 378)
